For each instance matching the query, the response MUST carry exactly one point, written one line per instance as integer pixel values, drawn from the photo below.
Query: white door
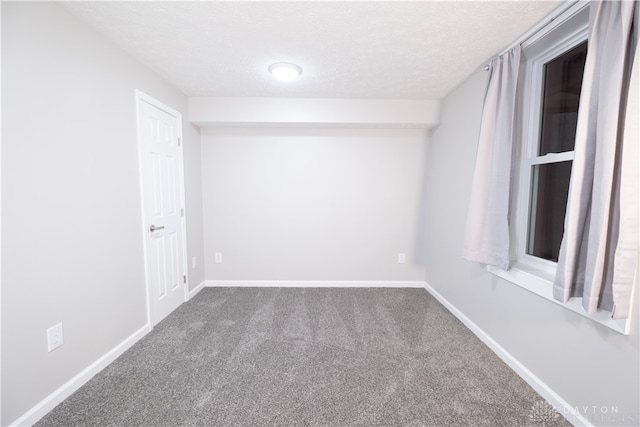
(159, 133)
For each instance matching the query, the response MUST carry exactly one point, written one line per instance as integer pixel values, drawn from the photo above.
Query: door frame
(141, 98)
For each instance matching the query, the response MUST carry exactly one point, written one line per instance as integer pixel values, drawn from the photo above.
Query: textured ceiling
(351, 49)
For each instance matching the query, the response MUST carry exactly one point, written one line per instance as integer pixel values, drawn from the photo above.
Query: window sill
(540, 284)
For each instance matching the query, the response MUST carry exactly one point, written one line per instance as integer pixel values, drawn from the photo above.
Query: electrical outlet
(55, 337)
(401, 258)
(194, 262)
(218, 257)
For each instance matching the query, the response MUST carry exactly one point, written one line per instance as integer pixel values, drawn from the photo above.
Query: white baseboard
(47, 404)
(313, 284)
(192, 293)
(536, 383)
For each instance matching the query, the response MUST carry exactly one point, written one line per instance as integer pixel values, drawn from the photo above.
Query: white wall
(72, 230)
(313, 204)
(583, 362)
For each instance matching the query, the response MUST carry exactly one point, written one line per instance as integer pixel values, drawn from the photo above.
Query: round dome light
(284, 71)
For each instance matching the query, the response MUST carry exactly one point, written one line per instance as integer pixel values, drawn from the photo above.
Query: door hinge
(184, 278)
(181, 211)
(179, 142)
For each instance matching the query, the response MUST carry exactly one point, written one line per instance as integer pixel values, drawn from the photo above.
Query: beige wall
(313, 204)
(71, 221)
(583, 362)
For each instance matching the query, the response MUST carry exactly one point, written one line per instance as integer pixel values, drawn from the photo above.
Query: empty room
(336, 213)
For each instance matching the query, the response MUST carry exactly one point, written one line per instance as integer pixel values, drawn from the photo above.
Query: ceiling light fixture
(284, 71)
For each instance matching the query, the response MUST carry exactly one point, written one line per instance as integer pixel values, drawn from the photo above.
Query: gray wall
(193, 199)
(71, 218)
(313, 204)
(584, 362)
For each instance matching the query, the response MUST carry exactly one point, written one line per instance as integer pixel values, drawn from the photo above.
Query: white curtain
(599, 250)
(487, 232)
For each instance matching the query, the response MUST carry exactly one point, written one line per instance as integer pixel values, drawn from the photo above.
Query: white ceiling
(348, 49)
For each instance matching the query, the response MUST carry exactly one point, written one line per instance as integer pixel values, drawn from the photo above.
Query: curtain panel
(599, 251)
(487, 230)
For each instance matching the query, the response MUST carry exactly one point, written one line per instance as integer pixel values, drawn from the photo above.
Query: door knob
(154, 228)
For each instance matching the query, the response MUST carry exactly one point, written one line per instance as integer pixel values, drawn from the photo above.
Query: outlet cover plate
(55, 337)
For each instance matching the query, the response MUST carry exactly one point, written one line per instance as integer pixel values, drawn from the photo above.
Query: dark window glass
(549, 190)
(561, 96)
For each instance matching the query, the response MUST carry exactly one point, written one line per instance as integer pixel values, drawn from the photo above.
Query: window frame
(529, 137)
(532, 273)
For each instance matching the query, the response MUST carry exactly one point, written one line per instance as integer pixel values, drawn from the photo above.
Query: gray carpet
(307, 356)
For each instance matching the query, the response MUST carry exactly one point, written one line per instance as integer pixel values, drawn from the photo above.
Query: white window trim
(532, 273)
(536, 283)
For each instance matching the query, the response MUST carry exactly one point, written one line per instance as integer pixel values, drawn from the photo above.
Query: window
(551, 81)
(549, 166)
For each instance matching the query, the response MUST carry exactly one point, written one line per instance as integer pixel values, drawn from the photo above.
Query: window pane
(549, 190)
(561, 96)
